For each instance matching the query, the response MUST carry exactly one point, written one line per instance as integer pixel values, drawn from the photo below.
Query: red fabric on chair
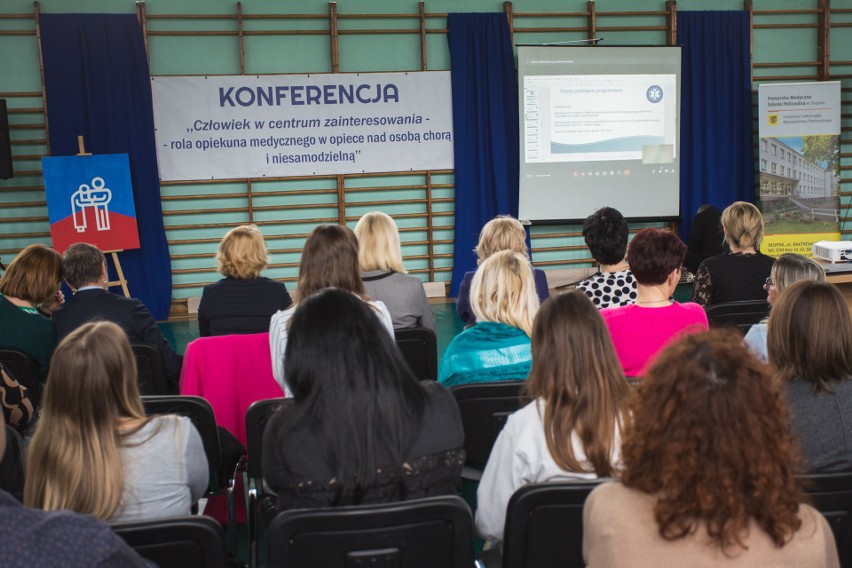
(230, 371)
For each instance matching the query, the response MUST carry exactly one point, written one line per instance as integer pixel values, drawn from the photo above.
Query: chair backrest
(423, 533)
(25, 371)
(544, 525)
(484, 409)
(12, 464)
(201, 414)
(419, 346)
(177, 542)
(741, 315)
(831, 494)
(257, 416)
(152, 376)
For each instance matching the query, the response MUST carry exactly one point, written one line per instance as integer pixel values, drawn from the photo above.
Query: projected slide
(599, 117)
(599, 126)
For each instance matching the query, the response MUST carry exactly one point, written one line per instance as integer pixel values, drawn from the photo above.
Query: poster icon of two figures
(98, 189)
(96, 197)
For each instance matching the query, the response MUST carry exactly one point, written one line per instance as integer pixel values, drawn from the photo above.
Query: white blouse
(278, 327)
(520, 457)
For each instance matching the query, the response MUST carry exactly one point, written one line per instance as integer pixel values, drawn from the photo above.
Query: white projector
(833, 251)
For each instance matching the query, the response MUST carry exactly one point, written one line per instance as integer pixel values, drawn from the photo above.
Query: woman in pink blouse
(641, 330)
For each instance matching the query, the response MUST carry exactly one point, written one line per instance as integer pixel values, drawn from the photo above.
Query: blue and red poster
(90, 200)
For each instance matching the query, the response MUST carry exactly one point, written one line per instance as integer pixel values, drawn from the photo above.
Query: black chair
(831, 494)
(419, 346)
(258, 502)
(741, 315)
(177, 542)
(12, 465)
(544, 525)
(484, 409)
(152, 377)
(222, 466)
(25, 371)
(422, 533)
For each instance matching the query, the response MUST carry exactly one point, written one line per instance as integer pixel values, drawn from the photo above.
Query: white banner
(799, 157)
(238, 126)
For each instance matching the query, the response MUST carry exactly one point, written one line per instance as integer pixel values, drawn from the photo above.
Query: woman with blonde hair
(329, 260)
(385, 278)
(29, 290)
(94, 450)
(572, 430)
(497, 347)
(810, 348)
(786, 270)
(738, 274)
(709, 466)
(499, 234)
(243, 301)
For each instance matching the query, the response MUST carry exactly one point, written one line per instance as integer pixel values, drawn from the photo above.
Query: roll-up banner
(224, 127)
(799, 165)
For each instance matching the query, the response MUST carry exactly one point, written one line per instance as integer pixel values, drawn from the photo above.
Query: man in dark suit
(84, 268)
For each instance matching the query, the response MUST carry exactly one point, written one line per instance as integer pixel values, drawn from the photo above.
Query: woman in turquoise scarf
(497, 348)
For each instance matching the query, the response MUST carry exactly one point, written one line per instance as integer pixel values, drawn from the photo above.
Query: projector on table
(833, 251)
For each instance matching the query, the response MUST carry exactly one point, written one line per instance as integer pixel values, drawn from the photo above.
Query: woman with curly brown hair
(709, 465)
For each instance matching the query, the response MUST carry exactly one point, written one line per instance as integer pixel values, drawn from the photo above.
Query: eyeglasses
(769, 284)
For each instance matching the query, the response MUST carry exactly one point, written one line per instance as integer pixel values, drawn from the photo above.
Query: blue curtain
(717, 159)
(485, 126)
(97, 85)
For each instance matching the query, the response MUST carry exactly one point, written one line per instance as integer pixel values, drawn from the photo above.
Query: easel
(122, 281)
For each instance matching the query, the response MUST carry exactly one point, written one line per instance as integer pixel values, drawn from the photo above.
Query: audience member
(385, 279)
(497, 347)
(36, 539)
(84, 267)
(639, 331)
(788, 268)
(362, 429)
(31, 281)
(329, 260)
(499, 234)
(94, 451)
(810, 347)
(706, 237)
(605, 232)
(709, 471)
(572, 429)
(243, 301)
(740, 273)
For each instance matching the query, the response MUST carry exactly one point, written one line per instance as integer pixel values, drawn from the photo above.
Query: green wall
(303, 53)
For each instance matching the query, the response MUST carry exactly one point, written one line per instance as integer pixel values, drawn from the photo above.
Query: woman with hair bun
(709, 471)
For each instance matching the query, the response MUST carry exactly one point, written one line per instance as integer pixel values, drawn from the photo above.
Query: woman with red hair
(709, 465)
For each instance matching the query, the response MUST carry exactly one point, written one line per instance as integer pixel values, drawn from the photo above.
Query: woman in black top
(362, 429)
(740, 274)
(243, 301)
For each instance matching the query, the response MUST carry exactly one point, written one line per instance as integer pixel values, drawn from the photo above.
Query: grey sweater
(165, 470)
(404, 297)
(823, 423)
